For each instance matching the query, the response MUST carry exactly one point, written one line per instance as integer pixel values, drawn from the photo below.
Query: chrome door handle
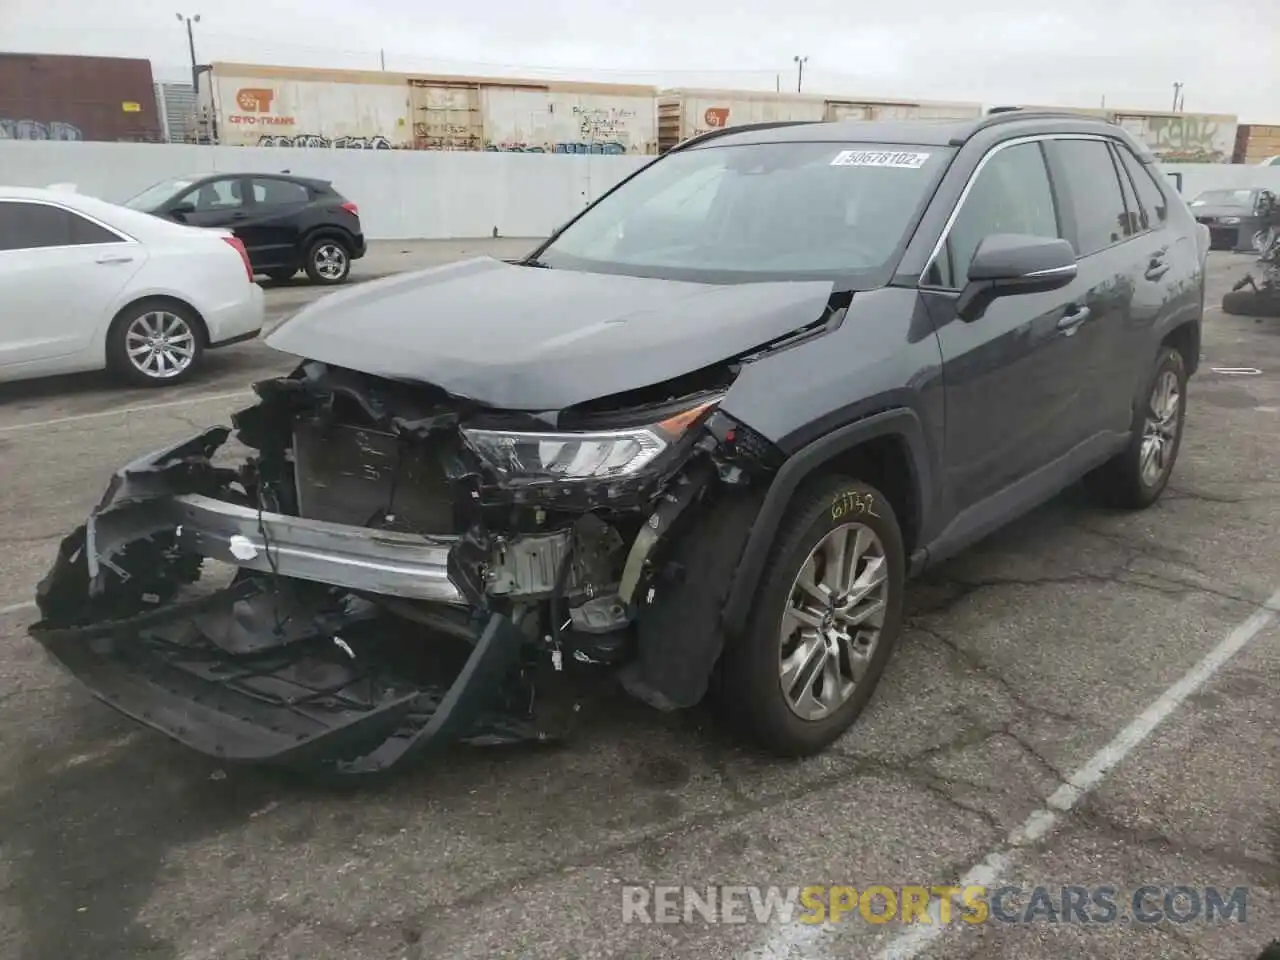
(114, 258)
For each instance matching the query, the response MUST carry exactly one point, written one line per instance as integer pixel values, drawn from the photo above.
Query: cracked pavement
(1021, 658)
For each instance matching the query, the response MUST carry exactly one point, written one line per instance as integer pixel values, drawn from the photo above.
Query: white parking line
(17, 608)
(912, 943)
(799, 940)
(126, 411)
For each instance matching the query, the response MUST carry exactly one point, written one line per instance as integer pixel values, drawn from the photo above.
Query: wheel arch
(886, 449)
(1185, 338)
(325, 231)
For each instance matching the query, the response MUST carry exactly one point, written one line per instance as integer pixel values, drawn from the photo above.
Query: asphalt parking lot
(1040, 658)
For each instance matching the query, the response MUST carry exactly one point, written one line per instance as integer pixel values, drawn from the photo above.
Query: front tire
(281, 275)
(1136, 477)
(826, 618)
(155, 343)
(328, 261)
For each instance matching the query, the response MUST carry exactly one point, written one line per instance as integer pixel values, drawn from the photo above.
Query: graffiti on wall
(311, 140)
(610, 149)
(36, 130)
(1189, 139)
(440, 135)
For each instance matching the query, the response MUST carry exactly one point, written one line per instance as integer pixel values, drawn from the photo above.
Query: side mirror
(182, 209)
(1008, 263)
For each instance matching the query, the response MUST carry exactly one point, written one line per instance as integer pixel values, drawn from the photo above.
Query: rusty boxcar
(55, 97)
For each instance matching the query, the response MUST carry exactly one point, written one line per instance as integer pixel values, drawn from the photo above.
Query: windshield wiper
(531, 262)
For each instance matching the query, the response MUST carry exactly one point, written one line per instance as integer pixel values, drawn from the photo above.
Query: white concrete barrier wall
(402, 194)
(407, 195)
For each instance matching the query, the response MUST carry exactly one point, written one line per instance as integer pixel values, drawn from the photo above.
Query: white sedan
(89, 285)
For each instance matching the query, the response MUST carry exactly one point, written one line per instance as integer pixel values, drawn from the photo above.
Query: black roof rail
(738, 128)
(998, 115)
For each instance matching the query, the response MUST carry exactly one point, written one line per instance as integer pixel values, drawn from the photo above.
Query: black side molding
(900, 422)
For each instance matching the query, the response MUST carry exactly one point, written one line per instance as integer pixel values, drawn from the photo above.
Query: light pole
(195, 74)
(800, 62)
(1177, 89)
(191, 46)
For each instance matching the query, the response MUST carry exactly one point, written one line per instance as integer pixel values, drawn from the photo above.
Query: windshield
(157, 194)
(1225, 198)
(757, 212)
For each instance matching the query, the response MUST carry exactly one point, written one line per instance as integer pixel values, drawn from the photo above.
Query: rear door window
(268, 192)
(1011, 194)
(216, 195)
(32, 226)
(1096, 199)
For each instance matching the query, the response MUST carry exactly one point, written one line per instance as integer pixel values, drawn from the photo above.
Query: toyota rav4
(699, 439)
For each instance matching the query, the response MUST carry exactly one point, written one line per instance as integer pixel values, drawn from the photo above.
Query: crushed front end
(387, 568)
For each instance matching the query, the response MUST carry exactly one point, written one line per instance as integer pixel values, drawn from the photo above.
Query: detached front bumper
(297, 659)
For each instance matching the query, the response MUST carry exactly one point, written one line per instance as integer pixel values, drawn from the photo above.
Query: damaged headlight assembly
(534, 457)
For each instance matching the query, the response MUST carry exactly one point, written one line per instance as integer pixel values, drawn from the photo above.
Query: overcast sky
(1227, 53)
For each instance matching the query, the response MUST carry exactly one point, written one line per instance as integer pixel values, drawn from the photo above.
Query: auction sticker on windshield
(880, 158)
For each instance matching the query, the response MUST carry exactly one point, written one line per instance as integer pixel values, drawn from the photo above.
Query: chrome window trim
(964, 194)
(121, 236)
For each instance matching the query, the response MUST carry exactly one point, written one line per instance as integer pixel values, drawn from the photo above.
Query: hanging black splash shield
(271, 668)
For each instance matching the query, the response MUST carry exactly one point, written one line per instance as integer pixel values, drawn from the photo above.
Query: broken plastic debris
(242, 548)
(344, 646)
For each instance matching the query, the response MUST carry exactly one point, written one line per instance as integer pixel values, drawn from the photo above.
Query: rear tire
(155, 343)
(328, 261)
(1136, 477)
(798, 677)
(1250, 303)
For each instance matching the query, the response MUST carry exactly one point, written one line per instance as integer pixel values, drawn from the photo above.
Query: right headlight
(581, 456)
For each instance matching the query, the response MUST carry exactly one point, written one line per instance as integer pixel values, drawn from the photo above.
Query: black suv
(700, 438)
(286, 223)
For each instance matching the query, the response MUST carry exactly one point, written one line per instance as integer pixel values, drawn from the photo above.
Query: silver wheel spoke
(805, 617)
(802, 667)
(810, 587)
(858, 615)
(836, 553)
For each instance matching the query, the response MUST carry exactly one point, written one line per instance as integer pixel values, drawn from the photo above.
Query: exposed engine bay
(404, 568)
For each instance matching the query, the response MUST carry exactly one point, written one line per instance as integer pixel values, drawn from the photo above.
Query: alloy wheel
(833, 620)
(1160, 432)
(160, 345)
(331, 261)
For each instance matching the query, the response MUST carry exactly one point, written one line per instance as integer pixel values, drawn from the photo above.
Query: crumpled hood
(526, 338)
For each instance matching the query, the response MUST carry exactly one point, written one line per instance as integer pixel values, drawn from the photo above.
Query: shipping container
(685, 113)
(53, 97)
(901, 110)
(1256, 142)
(295, 106)
(621, 122)
(1182, 137)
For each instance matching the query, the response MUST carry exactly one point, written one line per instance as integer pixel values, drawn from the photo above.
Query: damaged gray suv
(696, 441)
